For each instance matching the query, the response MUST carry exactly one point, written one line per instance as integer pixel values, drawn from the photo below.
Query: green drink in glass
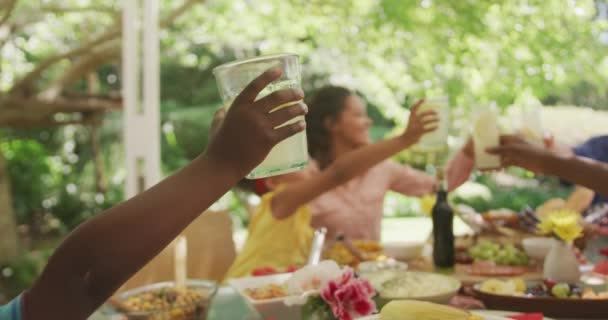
(291, 154)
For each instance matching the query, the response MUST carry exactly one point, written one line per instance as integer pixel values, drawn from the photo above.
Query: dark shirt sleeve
(595, 148)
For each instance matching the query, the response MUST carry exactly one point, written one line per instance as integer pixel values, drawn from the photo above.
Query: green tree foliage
(474, 51)
(389, 50)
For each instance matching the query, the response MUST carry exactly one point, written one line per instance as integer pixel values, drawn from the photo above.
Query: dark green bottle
(443, 227)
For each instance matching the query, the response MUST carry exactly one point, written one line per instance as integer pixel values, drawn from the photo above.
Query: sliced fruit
(492, 286)
(520, 285)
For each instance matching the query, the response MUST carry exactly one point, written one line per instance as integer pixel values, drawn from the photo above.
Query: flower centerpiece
(561, 263)
(328, 292)
(563, 225)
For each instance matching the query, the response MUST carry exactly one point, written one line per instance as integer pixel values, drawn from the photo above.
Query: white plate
(485, 313)
(270, 308)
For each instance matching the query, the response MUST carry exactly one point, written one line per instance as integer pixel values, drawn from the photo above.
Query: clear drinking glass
(531, 123)
(437, 140)
(292, 153)
(486, 134)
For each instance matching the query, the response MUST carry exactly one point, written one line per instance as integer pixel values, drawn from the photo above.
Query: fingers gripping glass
(290, 154)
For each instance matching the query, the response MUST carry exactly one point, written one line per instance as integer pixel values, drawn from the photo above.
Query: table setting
(509, 284)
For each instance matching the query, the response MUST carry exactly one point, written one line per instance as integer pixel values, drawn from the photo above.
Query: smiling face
(336, 122)
(351, 128)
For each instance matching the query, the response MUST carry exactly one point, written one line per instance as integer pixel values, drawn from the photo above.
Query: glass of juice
(486, 134)
(437, 140)
(531, 123)
(290, 154)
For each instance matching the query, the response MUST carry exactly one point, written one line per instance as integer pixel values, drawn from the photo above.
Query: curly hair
(328, 102)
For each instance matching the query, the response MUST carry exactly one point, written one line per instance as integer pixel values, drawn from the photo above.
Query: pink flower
(349, 297)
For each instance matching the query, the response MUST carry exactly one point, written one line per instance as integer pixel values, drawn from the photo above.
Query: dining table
(228, 304)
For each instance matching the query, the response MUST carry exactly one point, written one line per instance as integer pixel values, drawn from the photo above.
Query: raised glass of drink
(437, 140)
(292, 153)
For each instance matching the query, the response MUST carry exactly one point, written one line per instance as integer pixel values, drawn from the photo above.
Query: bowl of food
(554, 299)
(537, 247)
(413, 285)
(351, 253)
(267, 295)
(164, 301)
(403, 250)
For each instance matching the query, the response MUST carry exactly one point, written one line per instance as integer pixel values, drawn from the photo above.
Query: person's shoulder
(12, 310)
(265, 205)
(389, 165)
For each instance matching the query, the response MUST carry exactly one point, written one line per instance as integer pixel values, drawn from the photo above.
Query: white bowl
(426, 285)
(403, 250)
(270, 308)
(537, 247)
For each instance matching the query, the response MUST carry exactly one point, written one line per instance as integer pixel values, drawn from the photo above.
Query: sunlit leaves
(474, 51)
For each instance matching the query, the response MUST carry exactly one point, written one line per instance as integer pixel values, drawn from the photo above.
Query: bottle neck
(442, 195)
(441, 183)
(441, 186)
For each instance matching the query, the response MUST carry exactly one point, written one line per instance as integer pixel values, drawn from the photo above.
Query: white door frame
(141, 94)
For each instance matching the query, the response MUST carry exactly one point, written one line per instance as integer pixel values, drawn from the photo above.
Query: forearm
(341, 171)
(362, 159)
(582, 171)
(105, 251)
(458, 169)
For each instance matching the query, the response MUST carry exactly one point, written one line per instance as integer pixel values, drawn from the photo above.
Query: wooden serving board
(423, 264)
(469, 280)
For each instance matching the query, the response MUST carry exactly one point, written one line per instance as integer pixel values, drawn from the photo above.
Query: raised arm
(411, 182)
(459, 168)
(579, 170)
(96, 258)
(352, 164)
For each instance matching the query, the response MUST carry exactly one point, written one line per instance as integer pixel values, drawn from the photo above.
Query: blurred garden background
(61, 152)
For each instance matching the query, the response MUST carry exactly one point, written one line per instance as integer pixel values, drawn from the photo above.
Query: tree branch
(51, 122)
(9, 244)
(26, 83)
(17, 112)
(101, 185)
(65, 9)
(82, 67)
(10, 6)
(166, 21)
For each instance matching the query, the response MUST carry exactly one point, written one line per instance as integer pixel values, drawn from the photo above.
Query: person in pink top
(337, 123)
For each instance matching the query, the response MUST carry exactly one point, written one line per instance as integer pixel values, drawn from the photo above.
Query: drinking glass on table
(291, 154)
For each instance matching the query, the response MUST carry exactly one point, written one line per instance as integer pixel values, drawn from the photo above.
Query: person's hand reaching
(249, 131)
(516, 151)
(419, 124)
